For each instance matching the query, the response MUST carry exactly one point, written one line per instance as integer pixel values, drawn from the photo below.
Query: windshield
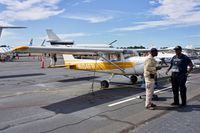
(129, 53)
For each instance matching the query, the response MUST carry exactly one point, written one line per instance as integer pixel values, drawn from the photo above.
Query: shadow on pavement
(22, 75)
(96, 98)
(188, 108)
(163, 98)
(78, 79)
(92, 99)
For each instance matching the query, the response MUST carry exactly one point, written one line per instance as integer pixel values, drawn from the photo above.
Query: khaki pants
(149, 83)
(51, 62)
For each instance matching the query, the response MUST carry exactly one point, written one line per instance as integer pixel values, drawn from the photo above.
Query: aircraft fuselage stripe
(80, 65)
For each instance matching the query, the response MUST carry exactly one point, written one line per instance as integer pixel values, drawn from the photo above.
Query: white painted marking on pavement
(120, 102)
(136, 97)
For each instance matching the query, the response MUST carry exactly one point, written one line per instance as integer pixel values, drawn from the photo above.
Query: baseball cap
(154, 50)
(178, 48)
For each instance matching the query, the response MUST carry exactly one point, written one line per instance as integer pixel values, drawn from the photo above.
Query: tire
(134, 79)
(104, 84)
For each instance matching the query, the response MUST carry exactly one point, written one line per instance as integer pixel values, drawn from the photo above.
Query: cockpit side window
(111, 56)
(114, 57)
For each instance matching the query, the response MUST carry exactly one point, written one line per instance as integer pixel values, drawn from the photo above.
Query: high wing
(148, 50)
(65, 50)
(189, 49)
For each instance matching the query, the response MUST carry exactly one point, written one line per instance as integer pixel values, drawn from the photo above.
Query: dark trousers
(178, 84)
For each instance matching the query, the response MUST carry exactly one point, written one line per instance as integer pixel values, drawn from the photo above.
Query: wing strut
(121, 69)
(92, 87)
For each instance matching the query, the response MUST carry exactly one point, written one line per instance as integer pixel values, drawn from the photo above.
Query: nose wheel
(133, 79)
(104, 84)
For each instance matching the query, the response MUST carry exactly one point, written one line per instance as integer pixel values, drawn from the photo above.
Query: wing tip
(20, 48)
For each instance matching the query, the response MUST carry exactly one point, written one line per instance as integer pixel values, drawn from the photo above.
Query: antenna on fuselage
(43, 42)
(112, 43)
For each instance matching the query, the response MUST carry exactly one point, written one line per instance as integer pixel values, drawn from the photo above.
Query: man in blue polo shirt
(179, 64)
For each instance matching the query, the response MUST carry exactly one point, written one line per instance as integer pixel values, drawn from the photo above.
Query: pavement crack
(8, 126)
(72, 124)
(67, 125)
(131, 127)
(99, 114)
(116, 120)
(5, 127)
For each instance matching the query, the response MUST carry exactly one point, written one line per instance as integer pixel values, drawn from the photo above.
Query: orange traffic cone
(42, 62)
(2, 58)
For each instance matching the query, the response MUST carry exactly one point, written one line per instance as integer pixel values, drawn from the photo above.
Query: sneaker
(175, 104)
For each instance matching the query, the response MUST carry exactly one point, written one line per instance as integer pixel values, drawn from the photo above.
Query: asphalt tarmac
(58, 100)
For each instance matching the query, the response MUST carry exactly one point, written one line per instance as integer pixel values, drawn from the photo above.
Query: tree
(136, 47)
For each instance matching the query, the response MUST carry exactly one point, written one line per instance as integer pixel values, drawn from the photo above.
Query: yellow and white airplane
(108, 60)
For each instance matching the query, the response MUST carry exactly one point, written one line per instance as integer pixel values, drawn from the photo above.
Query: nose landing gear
(133, 79)
(104, 84)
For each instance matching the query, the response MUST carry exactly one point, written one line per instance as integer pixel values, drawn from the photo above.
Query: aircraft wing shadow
(90, 100)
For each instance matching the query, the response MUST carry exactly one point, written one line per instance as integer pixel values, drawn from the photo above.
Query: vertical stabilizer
(31, 42)
(55, 40)
(52, 36)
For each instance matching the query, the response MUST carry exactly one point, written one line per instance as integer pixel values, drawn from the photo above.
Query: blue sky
(158, 23)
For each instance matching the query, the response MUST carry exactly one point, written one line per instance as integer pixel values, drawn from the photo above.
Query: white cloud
(71, 35)
(3, 23)
(87, 1)
(68, 36)
(79, 2)
(144, 25)
(17, 10)
(90, 18)
(172, 13)
(95, 16)
(152, 2)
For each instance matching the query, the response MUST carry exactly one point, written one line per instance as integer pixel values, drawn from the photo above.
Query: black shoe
(175, 104)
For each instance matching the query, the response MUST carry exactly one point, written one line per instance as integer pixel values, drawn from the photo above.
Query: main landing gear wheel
(104, 84)
(134, 79)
